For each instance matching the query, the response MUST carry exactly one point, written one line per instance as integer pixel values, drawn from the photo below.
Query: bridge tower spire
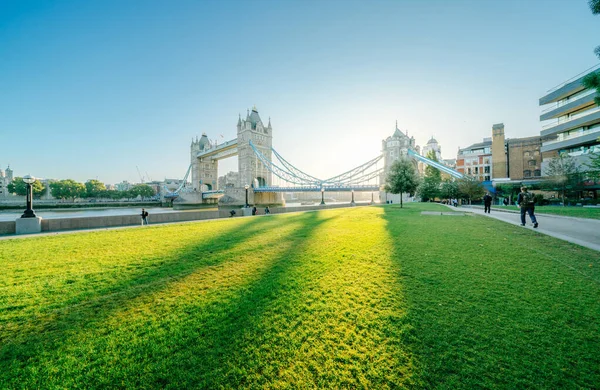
(249, 166)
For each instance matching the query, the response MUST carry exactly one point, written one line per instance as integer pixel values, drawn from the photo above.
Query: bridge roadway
(580, 231)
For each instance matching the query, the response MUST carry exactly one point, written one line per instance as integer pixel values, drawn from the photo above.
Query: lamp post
(322, 196)
(29, 180)
(246, 187)
(372, 201)
(352, 203)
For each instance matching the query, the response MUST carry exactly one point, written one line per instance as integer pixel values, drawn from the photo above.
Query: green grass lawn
(368, 297)
(567, 211)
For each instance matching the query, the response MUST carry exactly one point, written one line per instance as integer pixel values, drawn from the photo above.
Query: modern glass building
(570, 121)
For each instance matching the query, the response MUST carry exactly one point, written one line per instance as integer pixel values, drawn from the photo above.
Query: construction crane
(140, 174)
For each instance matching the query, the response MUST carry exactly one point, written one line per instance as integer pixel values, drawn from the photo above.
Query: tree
(143, 190)
(592, 80)
(94, 188)
(18, 186)
(594, 165)
(449, 189)
(432, 171)
(67, 189)
(562, 170)
(470, 188)
(429, 188)
(402, 178)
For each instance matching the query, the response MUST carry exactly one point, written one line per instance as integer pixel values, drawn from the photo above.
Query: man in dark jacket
(526, 201)
(487, 203)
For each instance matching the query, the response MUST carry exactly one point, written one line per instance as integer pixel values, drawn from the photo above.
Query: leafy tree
(143, 190)
(449, 189)
(594, 166)
(429, 188)
(592, 80)
(470, 188)
(94, 188)
(562, 170)
(431, 171)
(18, 186)
(402, 178)
(67, 189)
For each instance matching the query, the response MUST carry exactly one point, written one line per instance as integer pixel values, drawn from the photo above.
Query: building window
(537, 173)
(468, 171)
(527, 153)
(532, 163)
(487, 178)
(476, 170)
(486, 169)
(527, 173)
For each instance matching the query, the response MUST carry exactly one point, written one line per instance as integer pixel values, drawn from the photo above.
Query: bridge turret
(249, 167)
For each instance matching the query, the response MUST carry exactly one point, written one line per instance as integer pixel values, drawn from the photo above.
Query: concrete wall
(7, 227)
(51, 225)
(58, 224)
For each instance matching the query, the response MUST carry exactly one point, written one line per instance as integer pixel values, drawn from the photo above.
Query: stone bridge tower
(204, 171)
(249, 165)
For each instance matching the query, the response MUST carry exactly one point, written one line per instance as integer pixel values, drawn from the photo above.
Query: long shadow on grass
(222, 359)
(39, 334)
(490, 308)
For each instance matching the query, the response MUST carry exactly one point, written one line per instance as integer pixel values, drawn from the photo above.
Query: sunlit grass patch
(370, 297)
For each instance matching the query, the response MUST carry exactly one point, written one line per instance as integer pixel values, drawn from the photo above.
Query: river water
(11, 215)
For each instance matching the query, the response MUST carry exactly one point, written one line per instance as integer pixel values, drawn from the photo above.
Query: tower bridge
(266, 175)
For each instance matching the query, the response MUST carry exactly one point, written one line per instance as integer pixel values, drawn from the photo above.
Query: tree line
(70, 189)
(403, 178)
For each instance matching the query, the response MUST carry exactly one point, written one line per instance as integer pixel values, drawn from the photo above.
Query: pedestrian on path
(144, 216)
(487, 203)
(267, 211)
(526, 201)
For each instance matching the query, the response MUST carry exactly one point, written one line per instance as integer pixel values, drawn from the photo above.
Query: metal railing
(597, 66)
(571, 118)
(572, 99)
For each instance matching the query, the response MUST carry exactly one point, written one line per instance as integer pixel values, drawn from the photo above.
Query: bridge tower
(394, 148)
(204, 171)
(249, 166)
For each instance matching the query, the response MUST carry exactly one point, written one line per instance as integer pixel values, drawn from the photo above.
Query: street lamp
(322, 196)
(246, 187)
(29, 180)
(372, 201)
(352, 203)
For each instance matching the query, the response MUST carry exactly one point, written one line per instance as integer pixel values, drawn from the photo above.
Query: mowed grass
(369, 297)
(567, 211)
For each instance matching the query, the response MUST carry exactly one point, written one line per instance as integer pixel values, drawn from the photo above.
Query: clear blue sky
(92, 89)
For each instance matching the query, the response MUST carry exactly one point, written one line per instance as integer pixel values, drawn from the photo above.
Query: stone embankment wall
(58, 224)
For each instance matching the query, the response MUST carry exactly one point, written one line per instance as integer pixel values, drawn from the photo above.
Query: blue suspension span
(355, 188)
(435, 164)
(293, 169)
(346, 176)
(282, 173)
(291, 174)
(175, 194)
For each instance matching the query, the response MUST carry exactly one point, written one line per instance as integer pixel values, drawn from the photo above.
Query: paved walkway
(580, 231)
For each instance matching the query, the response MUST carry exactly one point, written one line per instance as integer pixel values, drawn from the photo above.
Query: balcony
(575, 104)
(585, 118)
(569, 87)
(572, 140)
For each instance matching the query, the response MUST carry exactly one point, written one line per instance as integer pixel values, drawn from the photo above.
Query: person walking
(267, 211)
(526, 201)
(144, 217)
(254, 210)
(487, 203)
